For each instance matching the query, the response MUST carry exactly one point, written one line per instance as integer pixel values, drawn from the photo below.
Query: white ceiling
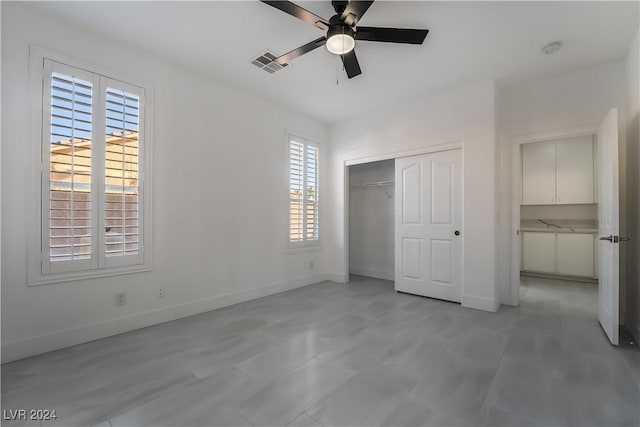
(468, 42)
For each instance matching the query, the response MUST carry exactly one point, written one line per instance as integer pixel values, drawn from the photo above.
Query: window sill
(86, 275)
(302, 249)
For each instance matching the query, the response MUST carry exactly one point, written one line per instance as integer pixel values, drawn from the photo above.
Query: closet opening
(406, 222)
(371, 221)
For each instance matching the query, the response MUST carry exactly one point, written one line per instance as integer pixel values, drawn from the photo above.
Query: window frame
(305, 244)
(39, 270)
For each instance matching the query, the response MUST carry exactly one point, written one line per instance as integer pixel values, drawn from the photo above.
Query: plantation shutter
(122, 205)
(296, 191)
(91, 180)
(311, 175)
(68, 184)
(303, 193)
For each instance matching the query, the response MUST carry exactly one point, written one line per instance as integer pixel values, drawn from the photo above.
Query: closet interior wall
(371, 214)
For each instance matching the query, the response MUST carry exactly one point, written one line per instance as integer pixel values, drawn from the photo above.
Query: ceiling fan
(342, 32)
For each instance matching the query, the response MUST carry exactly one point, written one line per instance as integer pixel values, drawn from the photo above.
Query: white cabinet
(575, 254)
(539, 252)
(570, 254)
(539, 173)
(574, 170)
(558, 171)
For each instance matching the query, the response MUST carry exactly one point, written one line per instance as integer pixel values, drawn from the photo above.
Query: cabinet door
(574, 170)
(539, 173)
(539, 252)
(575, 254)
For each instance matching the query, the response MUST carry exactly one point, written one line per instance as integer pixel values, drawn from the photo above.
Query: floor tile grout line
(262, 384)
(324, 396)
(310, 416)
(237, 411)
(495, 373)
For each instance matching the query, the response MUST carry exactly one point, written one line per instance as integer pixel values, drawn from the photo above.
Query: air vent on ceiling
(265, 62)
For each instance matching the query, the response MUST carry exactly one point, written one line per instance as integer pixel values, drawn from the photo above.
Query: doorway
(565, 197)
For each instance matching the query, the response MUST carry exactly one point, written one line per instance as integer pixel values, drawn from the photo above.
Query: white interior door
(428, 225)
(608, 226)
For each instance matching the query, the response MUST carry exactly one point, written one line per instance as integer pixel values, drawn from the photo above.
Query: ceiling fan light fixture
(340, 40)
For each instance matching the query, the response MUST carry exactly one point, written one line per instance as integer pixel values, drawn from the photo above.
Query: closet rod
(376, 184)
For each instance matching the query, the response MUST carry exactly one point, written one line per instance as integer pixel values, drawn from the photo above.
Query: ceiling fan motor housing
(339, 28)
(340, 37)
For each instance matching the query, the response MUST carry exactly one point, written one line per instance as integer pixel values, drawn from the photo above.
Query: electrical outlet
(121, 299)
(160, 293)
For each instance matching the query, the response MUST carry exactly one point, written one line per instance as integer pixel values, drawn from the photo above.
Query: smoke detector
(551, 48)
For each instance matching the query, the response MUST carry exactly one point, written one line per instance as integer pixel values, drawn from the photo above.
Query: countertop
(560, 226)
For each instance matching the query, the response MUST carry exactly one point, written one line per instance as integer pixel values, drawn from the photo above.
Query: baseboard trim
(480, 303)
(337, 277)
(21, 349)
(373, 272)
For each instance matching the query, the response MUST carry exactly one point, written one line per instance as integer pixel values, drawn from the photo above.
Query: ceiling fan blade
(299, 12)
(354, 11)
(284, 59)
(351, 65)
(391, 35)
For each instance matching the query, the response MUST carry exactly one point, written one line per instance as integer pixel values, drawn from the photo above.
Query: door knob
(457, 232)
(610, 238)
(624, 239)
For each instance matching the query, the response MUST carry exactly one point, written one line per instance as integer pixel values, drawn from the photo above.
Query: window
(303, 193)
(92, 209)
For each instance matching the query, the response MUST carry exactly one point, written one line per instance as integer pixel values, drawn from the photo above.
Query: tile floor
(346, 355)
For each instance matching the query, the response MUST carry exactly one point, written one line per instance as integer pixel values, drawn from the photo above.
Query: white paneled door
(428, 225)
(608, 226)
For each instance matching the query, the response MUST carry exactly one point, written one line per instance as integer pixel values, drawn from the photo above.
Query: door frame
(516, 195)
(453, 145)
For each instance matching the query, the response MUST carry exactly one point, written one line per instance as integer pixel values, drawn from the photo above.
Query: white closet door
(428, 217)
(539, 173)
(574, 170)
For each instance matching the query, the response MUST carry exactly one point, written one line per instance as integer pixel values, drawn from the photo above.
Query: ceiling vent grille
(265, 62)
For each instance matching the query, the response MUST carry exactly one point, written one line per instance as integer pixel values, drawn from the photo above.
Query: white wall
(633, 179)
(466, 114)
(219, 200)
(371, 220)
(572, 100)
